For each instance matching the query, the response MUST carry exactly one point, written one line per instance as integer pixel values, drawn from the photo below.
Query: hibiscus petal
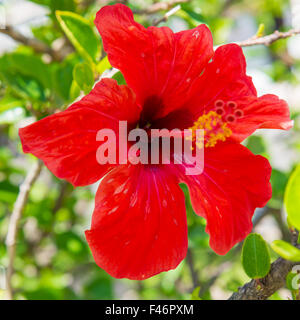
(225, 80)
(234, 182)
(158, 65)
(139, 226)
(66, 141)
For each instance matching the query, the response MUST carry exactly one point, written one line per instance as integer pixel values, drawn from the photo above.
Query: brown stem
(62, 193)
(275, 279)
(193, 271)
(269, 39)
(160, 6)
(166, 16)
(14, 221)
(36, 45)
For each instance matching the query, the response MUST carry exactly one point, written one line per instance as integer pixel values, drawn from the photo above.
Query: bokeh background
(52, 259)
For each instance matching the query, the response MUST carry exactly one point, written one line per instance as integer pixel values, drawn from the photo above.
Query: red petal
(225, 79)
(66, 141)
(154, 61)
(233, 184)
(266, 112)
(139, 224)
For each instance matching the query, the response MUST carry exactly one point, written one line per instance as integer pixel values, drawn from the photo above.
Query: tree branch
(275, 279)
(16, 215)
(36, 45)
(165, 17)
(269, 39)
(160, 6)
(191, 265)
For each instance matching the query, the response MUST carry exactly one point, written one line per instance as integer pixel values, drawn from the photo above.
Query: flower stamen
(214, 129)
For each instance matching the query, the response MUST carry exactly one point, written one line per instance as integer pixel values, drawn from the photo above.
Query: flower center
(215, 123)
(215, 129)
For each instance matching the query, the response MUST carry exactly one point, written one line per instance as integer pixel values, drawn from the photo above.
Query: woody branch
(269, 39)
(273, 281)
(11, 238)
(36, 45)
(160, 6)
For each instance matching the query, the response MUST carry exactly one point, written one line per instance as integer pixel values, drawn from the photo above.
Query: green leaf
(120, 78)
(292, 198)
(194, 15)
(57, 4)
(195, 294)
(261, 30)
(7, 196)
(286, 250)
(63, 5)
(63, 78)
(26, 87)
(103, 65)
(46, 33)
(256, 144)
(255, 256)
(9, 102)
(292, 283)
(42, 2)
(74, 91)
(31, 66)
(81, 34)
(84, 77)
(279, 181)
(26, 75)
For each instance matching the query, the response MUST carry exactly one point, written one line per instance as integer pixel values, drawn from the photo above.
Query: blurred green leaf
(256, 144)
(8, 197)
(198, 238)
(72, 243)
(74, 90)
(286, 250)
(119, 77)
(31, 66)
(99, 287)
(10, 102)
(81, 34)
(292, 198)
(26, 75)
(255, 256)
(42, 2)
(103, 65)
(195, 294)
(279, 181)
(293, 283)
(261, 30)
(63, 78)
(26, 87)
(68, 5)
(45, 293)
(57, 4)
(46, 33)
(190, 10)
(84, 77)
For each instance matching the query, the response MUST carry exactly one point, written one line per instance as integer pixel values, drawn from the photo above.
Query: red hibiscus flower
(174, 80)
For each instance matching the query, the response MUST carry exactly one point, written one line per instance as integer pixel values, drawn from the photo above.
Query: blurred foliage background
(44, 67)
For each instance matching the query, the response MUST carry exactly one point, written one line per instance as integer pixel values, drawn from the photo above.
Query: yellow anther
(214, 129)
